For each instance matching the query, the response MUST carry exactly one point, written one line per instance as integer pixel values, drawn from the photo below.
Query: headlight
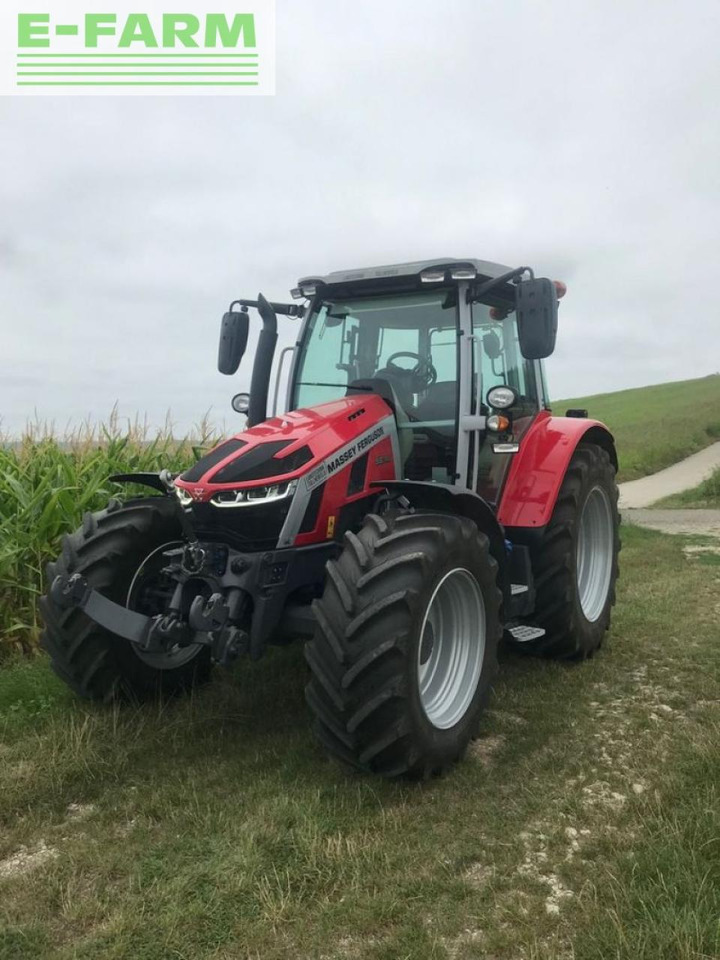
(249, 496)
(500, 398)
(240, 402)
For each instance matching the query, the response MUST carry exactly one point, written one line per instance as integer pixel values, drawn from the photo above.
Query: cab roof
(399, 276)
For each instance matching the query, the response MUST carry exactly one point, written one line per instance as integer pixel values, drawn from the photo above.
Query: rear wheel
(575, 565)
(405, 650)
(119, 551)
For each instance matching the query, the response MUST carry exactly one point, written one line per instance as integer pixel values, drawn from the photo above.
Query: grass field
(705, 495)
(656, 426)
(584, 825)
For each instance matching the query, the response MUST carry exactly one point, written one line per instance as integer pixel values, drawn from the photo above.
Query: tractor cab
(436, 339)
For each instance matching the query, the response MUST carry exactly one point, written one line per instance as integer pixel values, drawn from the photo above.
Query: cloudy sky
(580, 137)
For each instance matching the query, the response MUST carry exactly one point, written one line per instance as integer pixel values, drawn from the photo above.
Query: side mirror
(492, 348)
(536, 306)
(233, 341)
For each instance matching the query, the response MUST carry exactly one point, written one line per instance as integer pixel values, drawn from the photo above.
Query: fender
(538, 469)
(156, 481)
(458, 500)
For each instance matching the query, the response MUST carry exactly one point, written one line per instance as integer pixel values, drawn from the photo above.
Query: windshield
(407, 341)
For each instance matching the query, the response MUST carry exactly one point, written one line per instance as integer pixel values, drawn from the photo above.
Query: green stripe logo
(213, 46)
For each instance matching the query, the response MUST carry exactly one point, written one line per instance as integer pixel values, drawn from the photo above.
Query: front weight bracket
(69, 591)
(74, 591)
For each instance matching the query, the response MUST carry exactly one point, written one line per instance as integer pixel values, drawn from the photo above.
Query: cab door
(498, 361)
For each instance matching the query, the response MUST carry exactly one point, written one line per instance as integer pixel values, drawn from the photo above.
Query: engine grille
(248, 528)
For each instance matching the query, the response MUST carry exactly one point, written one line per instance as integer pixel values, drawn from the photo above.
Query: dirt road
(701, 522)
(639, 494)
(681, 476)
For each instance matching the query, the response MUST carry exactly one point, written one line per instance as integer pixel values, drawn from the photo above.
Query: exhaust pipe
(262, 367)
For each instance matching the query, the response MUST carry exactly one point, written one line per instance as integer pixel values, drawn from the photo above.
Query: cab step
(524, 634)
(520, 603)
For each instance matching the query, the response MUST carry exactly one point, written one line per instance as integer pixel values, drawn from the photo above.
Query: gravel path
(681, 476)
(636, 495)
(702, 522)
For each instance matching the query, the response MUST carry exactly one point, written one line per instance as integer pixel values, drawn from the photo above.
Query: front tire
(575, 565)
(405, 649)
(109, 550)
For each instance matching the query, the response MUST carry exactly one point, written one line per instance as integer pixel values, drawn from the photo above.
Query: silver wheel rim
(594, 557)
(451, 649)
(175, 656)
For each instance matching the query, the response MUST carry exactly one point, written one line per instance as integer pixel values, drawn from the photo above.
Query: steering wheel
(423, 373)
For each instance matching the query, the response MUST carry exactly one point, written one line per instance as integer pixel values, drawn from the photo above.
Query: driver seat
(440, 401)
(384, 389)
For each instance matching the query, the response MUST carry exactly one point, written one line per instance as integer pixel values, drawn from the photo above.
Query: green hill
(656, 426)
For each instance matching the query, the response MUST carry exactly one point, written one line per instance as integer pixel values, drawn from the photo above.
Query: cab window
(501, 359)
(409, 341)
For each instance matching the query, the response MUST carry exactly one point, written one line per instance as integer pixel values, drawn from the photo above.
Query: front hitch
(211, 617)
(206, 616)
(149, 633)
(208, 620)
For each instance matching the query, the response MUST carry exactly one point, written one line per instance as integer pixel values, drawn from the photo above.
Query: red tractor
(416, 502)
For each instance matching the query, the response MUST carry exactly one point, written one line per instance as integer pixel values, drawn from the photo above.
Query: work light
(500, 398)
(432, 276)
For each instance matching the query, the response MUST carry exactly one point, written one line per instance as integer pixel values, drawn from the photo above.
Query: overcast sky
(580, 137)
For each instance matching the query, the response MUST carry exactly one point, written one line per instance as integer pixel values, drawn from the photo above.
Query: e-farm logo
(126, 47)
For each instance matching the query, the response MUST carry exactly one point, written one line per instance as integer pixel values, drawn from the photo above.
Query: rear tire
(405, 649)
(108, 550)
(575, 566)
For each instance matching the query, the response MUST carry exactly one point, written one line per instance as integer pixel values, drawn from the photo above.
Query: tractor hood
(285, 448)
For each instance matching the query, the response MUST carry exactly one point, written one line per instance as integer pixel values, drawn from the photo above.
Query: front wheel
(405, 650)
(120, 552)
(575, 565)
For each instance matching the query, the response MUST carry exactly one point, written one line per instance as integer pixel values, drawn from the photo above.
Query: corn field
(47, 483)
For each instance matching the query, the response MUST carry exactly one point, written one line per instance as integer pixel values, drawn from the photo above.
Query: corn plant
(47, 484)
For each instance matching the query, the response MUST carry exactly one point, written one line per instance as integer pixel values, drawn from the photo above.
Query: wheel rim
(146, 589)
(451, 649)
(594, 558)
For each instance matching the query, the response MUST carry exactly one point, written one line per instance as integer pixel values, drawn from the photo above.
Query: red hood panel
(324, 428)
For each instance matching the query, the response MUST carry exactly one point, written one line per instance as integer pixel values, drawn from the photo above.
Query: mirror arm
(265, 350)
(476, 291)
(284, 309)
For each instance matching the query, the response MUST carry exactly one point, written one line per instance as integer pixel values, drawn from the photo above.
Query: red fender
(538, 469)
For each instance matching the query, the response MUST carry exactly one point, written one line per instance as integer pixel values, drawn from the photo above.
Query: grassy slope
(706, 494)
(583, 825)
(656, 426)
